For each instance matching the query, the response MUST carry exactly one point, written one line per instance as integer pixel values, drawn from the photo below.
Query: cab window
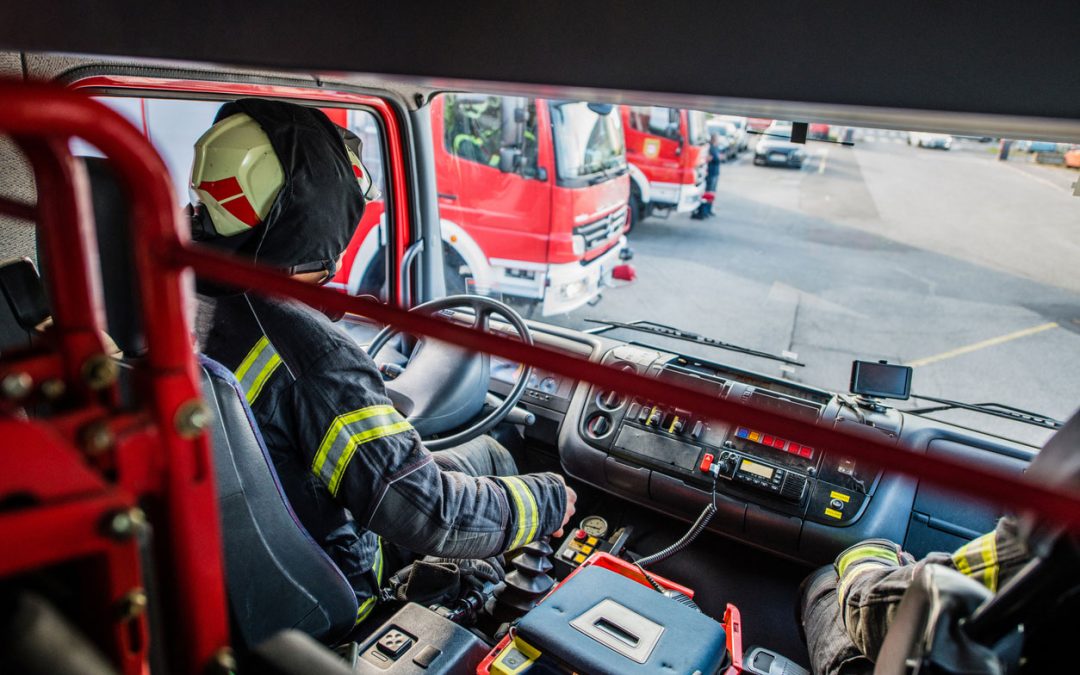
(173, 125)
(656, 120)
(479, 128)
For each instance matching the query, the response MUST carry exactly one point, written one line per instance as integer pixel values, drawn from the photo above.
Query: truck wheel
(637, 209)
(456, 274)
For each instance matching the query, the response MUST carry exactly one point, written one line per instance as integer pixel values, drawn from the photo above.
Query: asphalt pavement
(950, 261)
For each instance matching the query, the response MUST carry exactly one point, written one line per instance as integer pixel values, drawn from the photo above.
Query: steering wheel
(443, 384)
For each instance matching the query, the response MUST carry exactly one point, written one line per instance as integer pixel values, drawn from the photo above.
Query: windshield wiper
(679, 334)
(996, 409)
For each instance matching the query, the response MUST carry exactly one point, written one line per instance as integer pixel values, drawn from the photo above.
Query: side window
(173, 125)
(473, 124)
(664, 121)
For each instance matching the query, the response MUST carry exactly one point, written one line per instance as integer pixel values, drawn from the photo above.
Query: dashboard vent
(794, 487)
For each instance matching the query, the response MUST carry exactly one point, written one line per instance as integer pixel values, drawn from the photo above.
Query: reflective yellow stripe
(339, 423)
(263, 376)
(364, 609)
(512, 488)
(379, 563)
(357, 440)
(845, 582)
(869, 551)
(533, 515)
(245, 365)
(978, 558)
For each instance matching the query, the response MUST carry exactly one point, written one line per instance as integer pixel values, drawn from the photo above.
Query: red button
(793, 448)
(806, 452)
(581, 535)
(778, 443)
(768, 440)
(706, 462)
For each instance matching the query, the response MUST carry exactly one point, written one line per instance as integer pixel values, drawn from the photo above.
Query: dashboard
(801, 501)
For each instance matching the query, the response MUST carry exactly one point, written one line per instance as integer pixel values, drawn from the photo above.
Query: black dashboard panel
(800, 501)
(803, 502)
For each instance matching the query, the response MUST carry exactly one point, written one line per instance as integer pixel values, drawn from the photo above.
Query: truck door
(490, 200)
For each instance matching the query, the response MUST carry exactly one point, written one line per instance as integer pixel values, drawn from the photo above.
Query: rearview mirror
(601, 108)
(509, 159)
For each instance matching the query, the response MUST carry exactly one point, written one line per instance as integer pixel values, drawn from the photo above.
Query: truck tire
(637, 209)
(457, 281)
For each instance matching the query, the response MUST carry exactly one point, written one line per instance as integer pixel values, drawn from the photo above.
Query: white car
(740, 140)
(928, 140)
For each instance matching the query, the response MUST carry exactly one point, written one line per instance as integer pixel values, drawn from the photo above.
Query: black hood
(318, 208)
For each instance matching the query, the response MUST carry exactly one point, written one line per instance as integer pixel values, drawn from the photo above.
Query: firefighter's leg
(831, 650)
(482, 456)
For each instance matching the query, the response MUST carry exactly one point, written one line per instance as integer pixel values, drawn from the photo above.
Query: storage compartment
(417, 640)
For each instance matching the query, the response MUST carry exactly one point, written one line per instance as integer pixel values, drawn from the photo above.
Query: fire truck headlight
(574, 289)
(579, 244)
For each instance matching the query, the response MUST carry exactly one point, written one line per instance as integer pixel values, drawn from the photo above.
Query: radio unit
(752, 472)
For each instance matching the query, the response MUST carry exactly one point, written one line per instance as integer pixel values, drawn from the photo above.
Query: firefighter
(474, 132)
(846, 608)
(712, 176)
(278, 186)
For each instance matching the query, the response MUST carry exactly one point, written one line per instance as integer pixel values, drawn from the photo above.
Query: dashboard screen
(756, 469)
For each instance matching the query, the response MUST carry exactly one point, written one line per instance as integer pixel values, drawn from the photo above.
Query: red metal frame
(154, 457)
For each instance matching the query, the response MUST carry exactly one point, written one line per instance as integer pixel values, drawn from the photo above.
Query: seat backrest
(277, 576)
(24, 305)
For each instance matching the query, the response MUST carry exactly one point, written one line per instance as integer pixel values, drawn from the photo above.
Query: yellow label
(840, 495)
(516, 657)
(833, 513)
(651, 147)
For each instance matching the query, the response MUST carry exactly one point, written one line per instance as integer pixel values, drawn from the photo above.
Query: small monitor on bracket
(880, 379)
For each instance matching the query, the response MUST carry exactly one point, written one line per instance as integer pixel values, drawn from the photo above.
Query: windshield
(722, 129)
(586, 142)
(697, 133)
(954, 254)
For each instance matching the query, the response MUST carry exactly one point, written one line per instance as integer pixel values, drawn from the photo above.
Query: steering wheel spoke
(444, 386)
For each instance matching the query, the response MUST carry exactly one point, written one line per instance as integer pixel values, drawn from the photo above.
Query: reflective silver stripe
(257, 367)
(347, 432)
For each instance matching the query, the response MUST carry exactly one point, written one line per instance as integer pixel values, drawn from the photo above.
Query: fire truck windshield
(586, 142)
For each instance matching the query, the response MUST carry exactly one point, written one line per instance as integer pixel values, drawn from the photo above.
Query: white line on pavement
(822, 159)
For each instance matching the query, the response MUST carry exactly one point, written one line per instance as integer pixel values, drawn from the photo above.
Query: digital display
(756, 469)
(883, 380)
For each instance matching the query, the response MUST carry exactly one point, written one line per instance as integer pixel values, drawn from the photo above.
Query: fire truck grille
(599, 232)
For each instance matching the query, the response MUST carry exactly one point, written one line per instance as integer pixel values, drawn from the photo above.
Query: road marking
(1001, 339)
(822, 159)
(1044, 181)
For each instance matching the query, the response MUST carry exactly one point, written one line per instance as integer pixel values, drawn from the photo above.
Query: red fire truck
(532, 201)
(666, 150)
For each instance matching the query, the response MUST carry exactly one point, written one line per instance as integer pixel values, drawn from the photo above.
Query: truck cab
(532, 198)
(667, 150)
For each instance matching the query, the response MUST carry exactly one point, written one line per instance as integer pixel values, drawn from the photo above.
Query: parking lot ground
(953, 262)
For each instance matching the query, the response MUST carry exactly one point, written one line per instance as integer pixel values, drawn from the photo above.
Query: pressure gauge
(595, 526)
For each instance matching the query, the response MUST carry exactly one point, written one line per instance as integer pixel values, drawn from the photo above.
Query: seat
(277, 576)
(25, 304)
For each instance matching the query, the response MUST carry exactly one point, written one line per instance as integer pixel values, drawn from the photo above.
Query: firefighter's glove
(440, 581)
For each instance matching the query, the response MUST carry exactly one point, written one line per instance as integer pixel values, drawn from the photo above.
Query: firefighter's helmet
(237, 175)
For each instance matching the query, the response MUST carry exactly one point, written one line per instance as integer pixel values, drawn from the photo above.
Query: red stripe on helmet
(243, 210)
(222, 189)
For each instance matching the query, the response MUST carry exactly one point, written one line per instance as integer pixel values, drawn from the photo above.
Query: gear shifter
(528, 583)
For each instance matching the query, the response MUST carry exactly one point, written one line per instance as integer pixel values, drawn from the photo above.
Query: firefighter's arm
(371, 459)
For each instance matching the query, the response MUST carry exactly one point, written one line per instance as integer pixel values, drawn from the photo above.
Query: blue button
(742, 433)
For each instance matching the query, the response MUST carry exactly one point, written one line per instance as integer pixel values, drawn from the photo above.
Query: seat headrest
(112, 222)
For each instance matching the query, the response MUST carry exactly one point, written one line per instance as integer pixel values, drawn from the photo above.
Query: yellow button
(591, 541)
(579, 558)
(586, 549)
(755, 436)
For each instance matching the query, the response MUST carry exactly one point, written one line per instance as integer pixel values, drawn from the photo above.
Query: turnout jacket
(353, 469)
